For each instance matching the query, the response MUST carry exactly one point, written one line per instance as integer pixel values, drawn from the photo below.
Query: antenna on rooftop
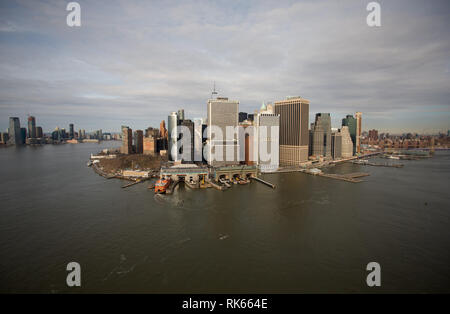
(214, 92)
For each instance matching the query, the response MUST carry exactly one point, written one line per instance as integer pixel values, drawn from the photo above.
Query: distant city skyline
(132, 63)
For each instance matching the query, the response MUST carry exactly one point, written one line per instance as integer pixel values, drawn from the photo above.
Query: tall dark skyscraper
(15, 135)
(139, 141)
(23, 135)
(71, 131)
(242, 116)
(127, 140)
(31, 127)
(350, 122)
(294, 139)
(320, 136)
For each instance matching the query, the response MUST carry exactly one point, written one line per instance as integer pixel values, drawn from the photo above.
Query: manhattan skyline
(132, 62)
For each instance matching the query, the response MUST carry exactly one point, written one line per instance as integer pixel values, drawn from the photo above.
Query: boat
(394, 157)
(161, 185)
(89, 163)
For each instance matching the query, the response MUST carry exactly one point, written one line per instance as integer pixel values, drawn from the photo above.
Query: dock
(135, 182)
(349, 177)
(273, 186)
(366, 163)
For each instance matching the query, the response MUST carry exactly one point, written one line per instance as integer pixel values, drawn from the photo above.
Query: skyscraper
(186, 153)
(358, 116)
(320, 136)
(139, 141)
(336, 144)
(71, 131)
(350, 122)
(31, 127)
(223, 113)
(242, 116)
(172, 121)
(267, 141)
(127, 140)
(180, 115)
(39, 133)
(162, 129)
(294, 117)
(23, 135)
(15, 135)
(347, 143)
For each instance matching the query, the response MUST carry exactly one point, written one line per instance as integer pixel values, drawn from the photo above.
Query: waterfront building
(15, 135)
(223, 113)
(347, 143)
(23, 135)
(320, 136)
(172, 121)
(294, 120)
(31, 127)
(267, 142)
(127, 140)
(71, 131)
(4, 137)
(139, 141)
(336, 144)
(358, 116)
(350, 122)
(39, 133)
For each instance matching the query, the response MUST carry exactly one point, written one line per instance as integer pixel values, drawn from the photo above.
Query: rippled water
(310, 234)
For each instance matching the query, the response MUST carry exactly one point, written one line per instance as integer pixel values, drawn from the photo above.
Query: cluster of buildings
(281, 129)
(32, 134)
(153, 141)
(384, 141)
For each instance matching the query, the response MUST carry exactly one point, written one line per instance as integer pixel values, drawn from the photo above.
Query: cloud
(135, 62)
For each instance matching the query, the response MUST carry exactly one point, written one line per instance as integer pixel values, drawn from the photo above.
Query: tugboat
(161, 185)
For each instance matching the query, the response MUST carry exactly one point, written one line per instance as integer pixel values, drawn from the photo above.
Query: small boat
(89, 163)
(161, 185)
(394, 157)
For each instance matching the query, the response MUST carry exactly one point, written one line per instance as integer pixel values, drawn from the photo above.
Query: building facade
(347, 143)
(222, 113)
(15, 135)
(127, 140)
(267, 141)
(294, 139)
(336, 144)
(350, 122)
(358, 116)
(172, 122)
(320, 136)
(31, 127)
(139, 141)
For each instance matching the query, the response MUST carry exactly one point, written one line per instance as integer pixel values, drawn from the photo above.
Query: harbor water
(309, 234)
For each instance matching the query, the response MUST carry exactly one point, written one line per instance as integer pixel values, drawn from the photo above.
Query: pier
(349, 177)
(367, 163)
(263, 182)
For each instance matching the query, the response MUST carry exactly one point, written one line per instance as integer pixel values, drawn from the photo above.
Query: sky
(133, 62)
